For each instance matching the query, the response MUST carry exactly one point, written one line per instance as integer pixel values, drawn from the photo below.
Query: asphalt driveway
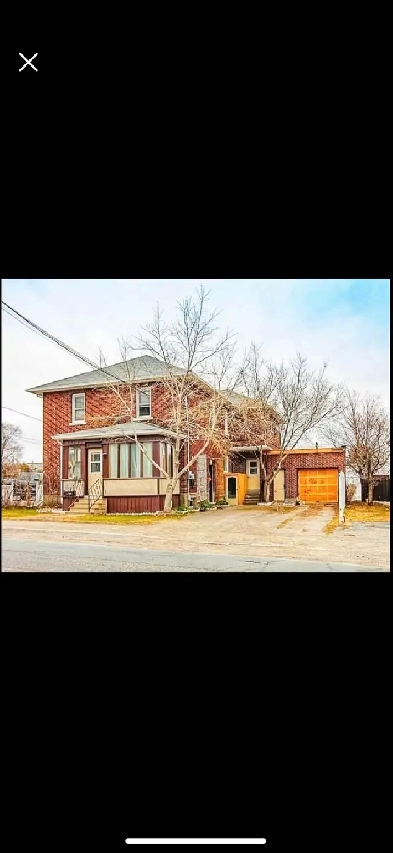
(241, 531)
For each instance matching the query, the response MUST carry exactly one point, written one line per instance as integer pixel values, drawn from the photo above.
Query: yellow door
(253, 476)
(319, 486)
(279, 488)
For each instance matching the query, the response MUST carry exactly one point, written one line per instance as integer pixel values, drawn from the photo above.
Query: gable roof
(140, 369)
(243, 400)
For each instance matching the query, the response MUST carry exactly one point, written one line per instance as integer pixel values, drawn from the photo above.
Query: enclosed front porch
(105, 470)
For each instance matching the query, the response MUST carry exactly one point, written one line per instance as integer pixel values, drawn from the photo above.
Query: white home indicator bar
(195, 840)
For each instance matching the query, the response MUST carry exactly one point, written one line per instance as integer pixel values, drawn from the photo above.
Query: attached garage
(318, 485)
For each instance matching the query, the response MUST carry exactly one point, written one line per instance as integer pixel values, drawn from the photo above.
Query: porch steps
(81, 507)
(99, 507)
(251, 498)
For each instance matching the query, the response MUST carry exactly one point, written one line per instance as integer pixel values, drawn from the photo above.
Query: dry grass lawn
(364, 512)
(18, 512)
(360, 512)
(33, 515)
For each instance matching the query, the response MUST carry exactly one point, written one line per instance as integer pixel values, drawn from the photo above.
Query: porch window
(147, 465)
(74, 463)
(163, 457)
(169, 453)
(124, 461)
(78, 408)
(143, 403)
(113, 461)
(253, 467)
(135, 461)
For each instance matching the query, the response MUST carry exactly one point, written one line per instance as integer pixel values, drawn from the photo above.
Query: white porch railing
(73, 488)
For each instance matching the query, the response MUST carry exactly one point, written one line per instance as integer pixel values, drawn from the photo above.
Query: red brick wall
(296, 461)
(237, 465)
(103, 408)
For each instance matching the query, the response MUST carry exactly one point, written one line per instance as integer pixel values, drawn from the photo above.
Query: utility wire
(22, 413)
(29, 324)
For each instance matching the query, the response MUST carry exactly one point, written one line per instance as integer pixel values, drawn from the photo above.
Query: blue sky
(342, 321)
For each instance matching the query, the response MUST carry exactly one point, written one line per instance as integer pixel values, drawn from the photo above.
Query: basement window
(143, 403)
(78, 408)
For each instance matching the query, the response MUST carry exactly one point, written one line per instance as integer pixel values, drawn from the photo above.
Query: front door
(94, 465)
(232, 490)
(279, 487)
(253, 475)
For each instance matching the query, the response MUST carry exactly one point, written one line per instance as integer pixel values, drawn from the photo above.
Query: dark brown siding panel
(156, 457)
(84, 464)
(140, 503)
(65, 463)
(105, 461)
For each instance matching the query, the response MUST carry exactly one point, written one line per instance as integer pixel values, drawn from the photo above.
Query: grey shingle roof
(141, 369)
(116, 431)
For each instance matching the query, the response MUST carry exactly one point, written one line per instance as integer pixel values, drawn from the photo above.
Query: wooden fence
(381, 491)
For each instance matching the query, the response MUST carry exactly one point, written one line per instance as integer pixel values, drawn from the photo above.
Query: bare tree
(364, 428)
(197, 362)
(11, 449)
(290, 400)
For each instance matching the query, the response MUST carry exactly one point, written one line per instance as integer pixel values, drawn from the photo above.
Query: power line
(22, 413)
(29, 324)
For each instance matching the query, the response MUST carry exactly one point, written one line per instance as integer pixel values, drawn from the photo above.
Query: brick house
(90, 457)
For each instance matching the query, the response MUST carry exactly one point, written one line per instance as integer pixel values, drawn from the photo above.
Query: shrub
(350, 492)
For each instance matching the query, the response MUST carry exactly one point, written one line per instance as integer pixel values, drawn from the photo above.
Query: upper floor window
(78, 408)
(143, 403)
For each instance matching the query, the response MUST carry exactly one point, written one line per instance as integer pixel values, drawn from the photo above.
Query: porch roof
(117, 431)
(250, 448)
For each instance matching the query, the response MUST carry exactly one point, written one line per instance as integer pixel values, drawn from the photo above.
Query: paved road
(25, 555)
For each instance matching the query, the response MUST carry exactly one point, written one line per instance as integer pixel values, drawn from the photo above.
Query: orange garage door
(320, 486)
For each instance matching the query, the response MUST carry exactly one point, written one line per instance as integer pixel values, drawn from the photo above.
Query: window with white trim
(143, 403)
(78, 408)
(95, 462)
(253, 467)
(226, 463)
